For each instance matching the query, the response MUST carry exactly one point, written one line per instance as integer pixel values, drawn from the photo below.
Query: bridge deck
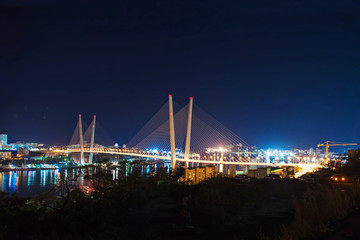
(184, 160)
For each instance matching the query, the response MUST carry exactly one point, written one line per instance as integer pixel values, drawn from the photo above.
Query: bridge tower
(81, 142)
(172, 134)
(92, 141)
(188, 133)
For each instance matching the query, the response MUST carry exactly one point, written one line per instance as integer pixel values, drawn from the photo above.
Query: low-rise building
(259, 173)
(5, 155)
(198, 174)
(23, 151)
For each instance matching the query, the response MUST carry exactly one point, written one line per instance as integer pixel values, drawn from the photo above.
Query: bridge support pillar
(172, 134)
(81, 142)
(221, 164)
(92, 141)
(188, 133)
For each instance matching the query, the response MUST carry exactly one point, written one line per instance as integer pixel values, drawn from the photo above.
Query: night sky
(277, 73)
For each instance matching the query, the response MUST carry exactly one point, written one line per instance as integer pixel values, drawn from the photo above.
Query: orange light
(336, 179)
(343, 178)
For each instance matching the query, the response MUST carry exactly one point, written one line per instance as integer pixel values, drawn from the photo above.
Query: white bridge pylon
(172, 134)
(82, 160)
(82, 151)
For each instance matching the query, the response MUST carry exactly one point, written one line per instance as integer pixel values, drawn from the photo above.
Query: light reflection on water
(26, 183)
(31, 183)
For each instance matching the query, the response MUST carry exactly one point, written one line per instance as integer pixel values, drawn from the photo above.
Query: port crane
(327, 144)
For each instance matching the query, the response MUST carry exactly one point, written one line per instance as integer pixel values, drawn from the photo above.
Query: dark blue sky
(277, 73)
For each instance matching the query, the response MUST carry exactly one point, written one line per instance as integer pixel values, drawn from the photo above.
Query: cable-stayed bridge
(184, 136)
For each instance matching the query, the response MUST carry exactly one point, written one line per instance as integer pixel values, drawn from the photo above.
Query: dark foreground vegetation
(158, 207)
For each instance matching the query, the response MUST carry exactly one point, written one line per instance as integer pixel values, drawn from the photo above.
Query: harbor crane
(327, 144)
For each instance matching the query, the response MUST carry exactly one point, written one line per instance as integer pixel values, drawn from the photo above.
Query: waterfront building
(5, 155)
(3, 139)
(25, 145)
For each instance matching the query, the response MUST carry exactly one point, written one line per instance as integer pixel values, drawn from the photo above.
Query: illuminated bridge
(183, 136)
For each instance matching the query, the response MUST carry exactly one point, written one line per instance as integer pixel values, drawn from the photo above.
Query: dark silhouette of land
(158, 207)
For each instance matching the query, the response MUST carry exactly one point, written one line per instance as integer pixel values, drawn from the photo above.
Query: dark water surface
(31, 183)
(28, 182)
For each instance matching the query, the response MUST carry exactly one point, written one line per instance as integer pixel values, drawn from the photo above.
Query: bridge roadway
(126, 153)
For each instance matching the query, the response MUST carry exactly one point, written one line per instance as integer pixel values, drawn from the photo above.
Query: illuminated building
(25, 145)
(5, 155)
(3, 139)
(199, 174)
